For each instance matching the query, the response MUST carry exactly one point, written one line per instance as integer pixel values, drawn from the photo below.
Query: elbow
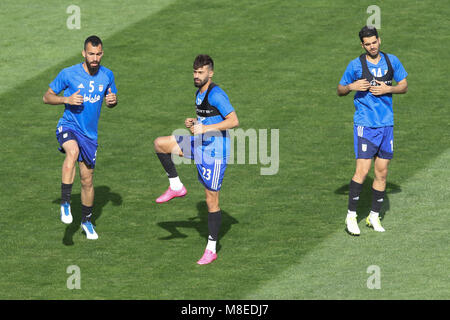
(44, 99)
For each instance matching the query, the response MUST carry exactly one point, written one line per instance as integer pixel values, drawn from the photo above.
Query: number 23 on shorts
(206, 173)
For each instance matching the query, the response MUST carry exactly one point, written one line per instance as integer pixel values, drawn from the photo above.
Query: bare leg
(167, 144)
(68, 167)
(381, 171)
(87, 185)
(212, 200)
(362, 169)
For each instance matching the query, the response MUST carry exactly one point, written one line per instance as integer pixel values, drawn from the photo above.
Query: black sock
(214, 222)
(168, 165)
(377, 200)
(353, 195)
(66, 192)
(86, 213)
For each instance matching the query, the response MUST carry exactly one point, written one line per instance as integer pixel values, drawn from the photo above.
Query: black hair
(368, 31)
(94, 40)
(203, 60)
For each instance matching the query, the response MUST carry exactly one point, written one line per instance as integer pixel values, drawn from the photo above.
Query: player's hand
(111, 98)
(75, 99)
(381, 89)
(359, 85)
(197, 129)
(189, 122)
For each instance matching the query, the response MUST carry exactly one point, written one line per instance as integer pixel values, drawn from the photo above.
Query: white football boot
(373, 220)
(66, 214)
(352, 225)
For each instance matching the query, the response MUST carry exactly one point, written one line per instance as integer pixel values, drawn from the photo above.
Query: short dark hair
(203, 60)
(368, 31)
(94, 40)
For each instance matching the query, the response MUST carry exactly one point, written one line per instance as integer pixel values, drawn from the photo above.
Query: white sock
(374, 214)
(175, 183)
(351, 214)
(211, 246)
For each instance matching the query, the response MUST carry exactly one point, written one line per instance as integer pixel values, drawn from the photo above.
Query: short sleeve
(349, 75)
(399, 71)
(112, 84)
(59, 83)
(219, 99)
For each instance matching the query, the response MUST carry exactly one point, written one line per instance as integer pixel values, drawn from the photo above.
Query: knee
(158, 144)
(87, 182)
(381, 175)
(361, 173)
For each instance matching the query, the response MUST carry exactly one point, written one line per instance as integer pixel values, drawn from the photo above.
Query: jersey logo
(100, 88)
(91, 99)
(81, 86)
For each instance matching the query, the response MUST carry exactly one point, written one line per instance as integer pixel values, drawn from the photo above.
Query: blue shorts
(210, 170)
(371, 142)
(88, 147)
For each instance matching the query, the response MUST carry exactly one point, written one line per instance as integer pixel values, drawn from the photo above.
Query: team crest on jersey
(100, 88)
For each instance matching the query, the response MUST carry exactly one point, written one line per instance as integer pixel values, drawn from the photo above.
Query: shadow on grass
(199, 223)
(103, 195)
(365, 199)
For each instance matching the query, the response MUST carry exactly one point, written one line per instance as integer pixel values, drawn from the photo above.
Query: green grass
(282, 235)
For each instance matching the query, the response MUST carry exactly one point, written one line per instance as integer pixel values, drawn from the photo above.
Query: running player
(370, 76)
(85, 85)
(208, 147)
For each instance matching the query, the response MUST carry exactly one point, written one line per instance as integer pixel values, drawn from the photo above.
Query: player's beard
(201, 83)
(92, 69)
(375, 54)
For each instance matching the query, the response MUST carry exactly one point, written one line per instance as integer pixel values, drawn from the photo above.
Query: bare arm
(50, 97)
(401, 87)
(231, 121)
(358, 85)
(342, 90)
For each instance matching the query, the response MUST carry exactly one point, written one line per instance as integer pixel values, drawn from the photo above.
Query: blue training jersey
(84, 118)
(373, 111)
(217, 145)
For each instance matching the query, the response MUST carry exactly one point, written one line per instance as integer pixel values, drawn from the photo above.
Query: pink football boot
(170, 194)
(208, 257)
